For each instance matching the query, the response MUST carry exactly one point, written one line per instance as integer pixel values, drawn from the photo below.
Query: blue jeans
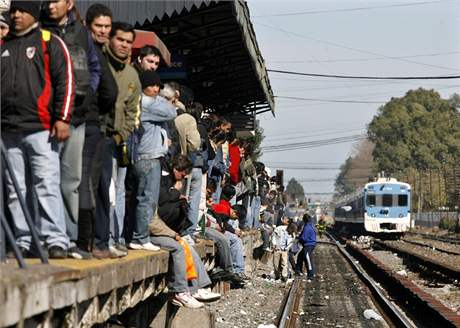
(224, 254)
(71, 172)
(248, 203)
(117, 214)
(148, 173)
(256, 211)
(203, 278)
(194, 199)
(177, 281)
(236, 248)
(177, 272)
(36, 156)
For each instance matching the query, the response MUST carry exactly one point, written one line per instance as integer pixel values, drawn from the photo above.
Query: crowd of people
(110, 158)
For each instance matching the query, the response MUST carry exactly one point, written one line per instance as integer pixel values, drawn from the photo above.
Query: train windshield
(386, 200)
(402, 200)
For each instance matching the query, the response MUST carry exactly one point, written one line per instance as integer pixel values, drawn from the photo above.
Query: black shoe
(237, 279)
(235, 285)
(56, 252)
(220, 275)
(24, 251)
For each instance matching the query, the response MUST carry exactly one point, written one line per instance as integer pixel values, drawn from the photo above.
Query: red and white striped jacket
(37, 82)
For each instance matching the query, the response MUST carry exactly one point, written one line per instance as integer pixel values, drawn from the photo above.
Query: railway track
(289, 311)
(400, 302)
(450, 240)
(431, 264)
(391, 312)
(439, 249)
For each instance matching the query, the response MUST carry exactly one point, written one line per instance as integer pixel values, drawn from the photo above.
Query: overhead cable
(334, 100)
(313, 144)
(354, 49)
(440, 77)
(314, 12)
(360, 59)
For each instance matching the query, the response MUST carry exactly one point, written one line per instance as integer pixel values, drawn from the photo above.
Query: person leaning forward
(36, 113)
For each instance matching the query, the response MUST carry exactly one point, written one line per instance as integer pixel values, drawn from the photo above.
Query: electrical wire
(360, 59)
(441, 77)
(327, 133)
(312, 144)
(314, 12)
(353, 49)
(333, 100)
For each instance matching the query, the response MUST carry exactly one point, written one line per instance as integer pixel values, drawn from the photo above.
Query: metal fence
(432, 219)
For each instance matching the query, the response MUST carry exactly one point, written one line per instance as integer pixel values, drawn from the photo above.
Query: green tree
(419, 130)
(295, 190)
(417, 139)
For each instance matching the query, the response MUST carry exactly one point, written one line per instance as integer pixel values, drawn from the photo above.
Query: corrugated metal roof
(225, 67)
(140, 11)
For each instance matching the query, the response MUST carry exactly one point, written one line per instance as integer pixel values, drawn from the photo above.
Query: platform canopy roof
(224, 66)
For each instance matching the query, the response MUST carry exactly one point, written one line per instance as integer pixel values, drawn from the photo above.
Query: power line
(313, 144)
(360, 59)
(327, 133)
(314, 12)
(332, 179)
(442, 77)
(333, 100)
(351, 48)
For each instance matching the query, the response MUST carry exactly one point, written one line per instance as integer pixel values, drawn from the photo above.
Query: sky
(358, 38)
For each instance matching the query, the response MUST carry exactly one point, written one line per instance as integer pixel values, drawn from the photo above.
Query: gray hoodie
(155, 111)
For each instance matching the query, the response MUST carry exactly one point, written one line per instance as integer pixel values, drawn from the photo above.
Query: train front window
(370, 200)
(402, 200)
(387, 200)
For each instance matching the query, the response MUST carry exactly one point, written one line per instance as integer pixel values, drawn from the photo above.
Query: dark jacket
(104, 100)
(172, 210)
(37, 85)
(308, 235)
(75, 31)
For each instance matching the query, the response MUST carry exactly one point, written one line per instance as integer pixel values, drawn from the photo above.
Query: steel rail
(290, 302)
(397, 316)
(447, 270)
(430, 246)
(444, 239)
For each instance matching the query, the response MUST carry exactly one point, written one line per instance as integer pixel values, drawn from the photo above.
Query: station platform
(82, 293)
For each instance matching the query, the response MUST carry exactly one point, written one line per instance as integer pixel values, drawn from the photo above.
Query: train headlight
(401, 215)
(373, 215)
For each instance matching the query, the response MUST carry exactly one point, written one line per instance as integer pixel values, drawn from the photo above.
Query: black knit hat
(149, 78)
(31, 7)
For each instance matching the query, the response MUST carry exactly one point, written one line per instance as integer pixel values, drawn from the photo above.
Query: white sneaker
(185, 299)
(147, 246)
(205, 295)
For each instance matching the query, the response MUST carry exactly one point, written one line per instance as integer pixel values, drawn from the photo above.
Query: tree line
(416, 139)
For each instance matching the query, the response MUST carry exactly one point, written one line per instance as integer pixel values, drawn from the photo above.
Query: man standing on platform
(37, 99)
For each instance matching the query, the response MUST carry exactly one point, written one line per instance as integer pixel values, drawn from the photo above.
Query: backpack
(79, 58)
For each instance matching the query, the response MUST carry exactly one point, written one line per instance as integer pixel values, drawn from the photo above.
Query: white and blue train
(383, 206)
